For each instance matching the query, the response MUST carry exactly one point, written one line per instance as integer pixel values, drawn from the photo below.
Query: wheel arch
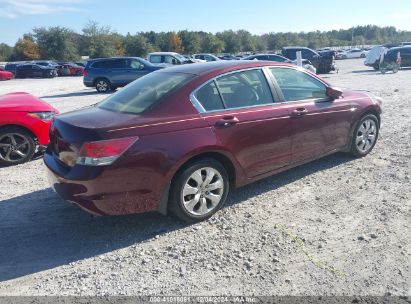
(368, 111)
(100, 78)
(21, 127)
(219, 156)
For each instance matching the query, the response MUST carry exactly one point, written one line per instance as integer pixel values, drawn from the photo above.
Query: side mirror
(334, 92)
(141, 67)
(174, 61)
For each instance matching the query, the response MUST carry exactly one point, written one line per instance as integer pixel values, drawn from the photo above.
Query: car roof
(220, 66)
(399, 48)
(163, 53)
(294, 47)
(112, 58)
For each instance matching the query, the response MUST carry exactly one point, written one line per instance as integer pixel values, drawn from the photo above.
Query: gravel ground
(337, 226)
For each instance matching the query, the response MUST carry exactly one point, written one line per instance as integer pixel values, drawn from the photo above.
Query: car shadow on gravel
(40, 231)
(75, 94)
(284, 178)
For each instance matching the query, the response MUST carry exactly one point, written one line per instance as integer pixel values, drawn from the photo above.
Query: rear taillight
(104, 152)
(85, 73)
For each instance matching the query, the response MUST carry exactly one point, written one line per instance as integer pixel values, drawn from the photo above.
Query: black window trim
(276, 98)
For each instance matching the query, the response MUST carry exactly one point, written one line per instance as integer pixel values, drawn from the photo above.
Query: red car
(5, 75)
(71, 70)
(178, 139)
(24, 127)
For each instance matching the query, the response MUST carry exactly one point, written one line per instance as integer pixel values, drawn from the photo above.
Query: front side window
(169, 59)
(144, 92)
(133, 64)
(297, 85)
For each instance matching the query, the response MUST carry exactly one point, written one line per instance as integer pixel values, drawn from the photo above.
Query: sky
(257, 16)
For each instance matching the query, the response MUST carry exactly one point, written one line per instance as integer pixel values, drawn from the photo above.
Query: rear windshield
(144, 92)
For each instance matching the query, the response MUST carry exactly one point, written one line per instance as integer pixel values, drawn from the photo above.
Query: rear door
(247, 120)
(117, 71)
(319, 124)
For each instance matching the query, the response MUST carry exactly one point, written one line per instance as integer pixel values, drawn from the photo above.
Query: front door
(134, 69)
(319, 124)
(247, 120)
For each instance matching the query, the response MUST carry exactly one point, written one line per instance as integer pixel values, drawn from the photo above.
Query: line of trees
(61, 43)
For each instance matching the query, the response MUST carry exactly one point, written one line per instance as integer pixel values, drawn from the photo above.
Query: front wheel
(16, 146)
(365, 136)
(199, 190)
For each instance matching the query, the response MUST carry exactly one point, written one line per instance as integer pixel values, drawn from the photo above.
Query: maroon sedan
(178, 139)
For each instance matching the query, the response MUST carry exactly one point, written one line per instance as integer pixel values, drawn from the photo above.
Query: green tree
(211, 44)
(56, 43)
(191, 41)
(246, 41)
(6, 52)
(100, 40)
(231, 42)
(137, 45)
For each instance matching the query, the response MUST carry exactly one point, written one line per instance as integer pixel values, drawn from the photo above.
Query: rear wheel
(103, 85)
(365, 136)
(362, 56)
(17, 146)
(199, 190)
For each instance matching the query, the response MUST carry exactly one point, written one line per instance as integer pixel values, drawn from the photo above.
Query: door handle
(226, 122)
(299, 112)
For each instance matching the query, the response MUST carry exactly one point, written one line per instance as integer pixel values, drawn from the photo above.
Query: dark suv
(405, 54)
(324, 64)
(109, 73)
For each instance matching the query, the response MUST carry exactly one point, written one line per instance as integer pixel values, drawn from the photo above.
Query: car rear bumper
(102, 191)
(88, 84)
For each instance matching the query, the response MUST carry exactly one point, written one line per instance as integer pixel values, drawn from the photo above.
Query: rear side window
(155, 58)
(297, 85)
(209, 97)
(144, 92)
(100, 64)
(236, 90)
(117, 64)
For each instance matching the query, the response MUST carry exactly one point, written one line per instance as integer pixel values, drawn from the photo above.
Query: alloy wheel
(366, 135)
(202, 191)
(102, 86)
(14, 147)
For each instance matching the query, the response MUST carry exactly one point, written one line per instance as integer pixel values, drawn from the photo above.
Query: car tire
(376, 66)
(23, 142)
(102, 85)
(79, 73)
(365, 135)
(204, 202)
(362, 56)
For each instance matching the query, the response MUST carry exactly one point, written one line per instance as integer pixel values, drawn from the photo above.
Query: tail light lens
(85, 72)
(104, 152)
